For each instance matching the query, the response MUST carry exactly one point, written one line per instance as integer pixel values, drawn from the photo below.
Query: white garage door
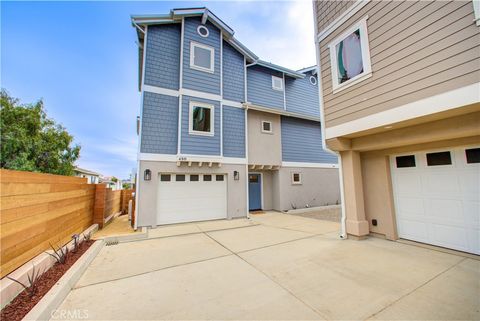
(191, 197)
(437, 197)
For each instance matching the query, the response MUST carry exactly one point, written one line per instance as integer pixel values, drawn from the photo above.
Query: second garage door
(191, 197)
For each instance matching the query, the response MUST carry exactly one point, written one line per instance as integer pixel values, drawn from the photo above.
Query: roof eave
(286, 71)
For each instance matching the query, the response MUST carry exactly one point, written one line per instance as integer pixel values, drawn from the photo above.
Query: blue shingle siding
(233, 74)
(196, 79)
(302, 96)
(259, 88)
(233, 132)
(302, 142)
(197, 144)
(163, 56)
(159, 124)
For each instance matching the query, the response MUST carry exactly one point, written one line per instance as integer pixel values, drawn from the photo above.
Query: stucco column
(356, 222)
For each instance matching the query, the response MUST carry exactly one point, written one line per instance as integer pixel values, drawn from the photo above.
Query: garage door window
(441, 158)
(219, 178)
(207, 178)
(165, 177)
(473, 155)
(180, 178)
(193, 178)
(405, 161)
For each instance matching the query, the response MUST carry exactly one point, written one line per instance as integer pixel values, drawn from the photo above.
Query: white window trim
(299, 176)
(202, 27)
(194, 44)
(367, 67)
(273, 83)
(190, 119)
(314, 82)
(271, 127)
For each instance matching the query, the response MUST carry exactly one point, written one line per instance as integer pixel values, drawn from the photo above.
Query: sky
(81, 59)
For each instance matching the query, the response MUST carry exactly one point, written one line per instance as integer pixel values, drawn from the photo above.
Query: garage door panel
(447, 235)
(438, 183)
(469, 184)
(448, 209)
(414, 229)
(410, 206)
(472, 209)
(409, 183)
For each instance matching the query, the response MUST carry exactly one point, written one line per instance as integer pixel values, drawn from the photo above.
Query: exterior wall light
(147, 175)
(236, 175)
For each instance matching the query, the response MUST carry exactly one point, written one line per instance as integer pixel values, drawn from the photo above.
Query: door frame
(261, 188)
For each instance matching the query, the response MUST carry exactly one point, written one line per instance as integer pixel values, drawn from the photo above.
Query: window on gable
(350, 57)
(267, 127)
(277, 83)
(201, 119)
(202, 57)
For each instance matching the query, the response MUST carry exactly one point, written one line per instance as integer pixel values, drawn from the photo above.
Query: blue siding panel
(233, 132)
(259, 88)
(159, 124)
(162, 59)
(233, 74)
(302, 142)
(302, 96)
(196, 79)
(196, 144)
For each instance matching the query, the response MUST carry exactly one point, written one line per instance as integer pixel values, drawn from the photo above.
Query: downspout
(343, 233)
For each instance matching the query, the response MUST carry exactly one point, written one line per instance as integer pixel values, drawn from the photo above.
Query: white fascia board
(442, 102)
(200, 94)
(309, 165)
(232, 103)
(161, 91)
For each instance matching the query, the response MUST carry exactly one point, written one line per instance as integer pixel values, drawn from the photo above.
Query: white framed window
(201, 119)
(203, 31)
(296, 178)
(350, 57)
(476, 11)
(277, 83)
(202, 57)
(267, 127)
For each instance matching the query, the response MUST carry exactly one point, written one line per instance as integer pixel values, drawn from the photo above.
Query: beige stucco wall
(147, 190)
(263, 148)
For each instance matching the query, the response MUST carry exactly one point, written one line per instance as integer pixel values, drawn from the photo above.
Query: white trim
(273, 83)
(476, 11)
(189, 158)
(231, 103)
(179, 126)
(245, 78)
(246, 158)
(221, 129)
(162, 91)
(157, 157)
(180, 98)
(292, 178)
(284, 95)
(202, 27)
(181, 52)
(221, 92)
(211, 107)
(194, 44)
(313, 83)
(360, 25)
(200, 94)
(234, 160)
(442, 102)
(261, 188)
(347, 14)
(309, 165)
(271, 127)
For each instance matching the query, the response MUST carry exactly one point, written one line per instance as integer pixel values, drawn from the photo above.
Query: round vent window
(313, 80)
(202, 31)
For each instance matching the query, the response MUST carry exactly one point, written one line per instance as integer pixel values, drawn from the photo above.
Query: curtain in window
(349, 58)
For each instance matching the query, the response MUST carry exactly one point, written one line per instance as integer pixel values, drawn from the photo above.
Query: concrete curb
(55, 296)
(126, 237)
(312, 209)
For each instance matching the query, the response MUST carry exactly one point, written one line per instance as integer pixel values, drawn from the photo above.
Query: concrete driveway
(274, 267)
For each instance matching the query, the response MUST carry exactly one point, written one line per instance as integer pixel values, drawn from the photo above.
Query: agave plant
(33, 278)
(60, 255)
(86, 237)
(76, 242)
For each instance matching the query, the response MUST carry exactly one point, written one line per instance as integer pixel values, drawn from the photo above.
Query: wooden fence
(37, 210)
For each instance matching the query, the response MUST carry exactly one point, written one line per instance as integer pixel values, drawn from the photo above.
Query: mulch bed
(23, 303)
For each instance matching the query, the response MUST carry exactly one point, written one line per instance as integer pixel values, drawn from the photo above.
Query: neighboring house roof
(286, 71)
(85, 171)
(307, 69)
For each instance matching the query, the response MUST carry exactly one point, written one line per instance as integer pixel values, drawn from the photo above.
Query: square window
(350, 57)
(165, 178)
(201, 119)
(277, 83)
(219, 178)
(180, 178)
(266, 127)
(193, 178)
(207, 178)
(441, 158)
(296, 178)
(253, 178)
(473, 155)
(405, 161)
(202, 57)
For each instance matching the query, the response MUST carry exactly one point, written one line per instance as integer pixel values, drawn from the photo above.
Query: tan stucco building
(400, 104)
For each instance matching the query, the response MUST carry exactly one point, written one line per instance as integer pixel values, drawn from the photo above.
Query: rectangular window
(201, 119)
(180, 178)
(253, 178)
(219, 178)
(266, 127)
(350, 57)
(405, 161)
(202, 57)
(165, 177)
(277, 83)
(296, 178)
(207, 178)
(473, 155)
(441, 158)
(193, 178)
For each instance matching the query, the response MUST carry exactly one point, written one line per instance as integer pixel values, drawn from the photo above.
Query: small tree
(32, 142)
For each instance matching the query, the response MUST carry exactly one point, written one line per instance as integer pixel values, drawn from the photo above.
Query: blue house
(222, 132)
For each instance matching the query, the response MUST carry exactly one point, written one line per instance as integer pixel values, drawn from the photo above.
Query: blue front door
(254, 192)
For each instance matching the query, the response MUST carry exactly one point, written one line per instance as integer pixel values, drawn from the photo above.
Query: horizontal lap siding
(233, 132)
(302, 96)
(327, 11)
(197, 144)
(259, 87)
(418, 50)
(233, 74)
(163, 56)
(159, 124)
(302, 142)
(196, 79)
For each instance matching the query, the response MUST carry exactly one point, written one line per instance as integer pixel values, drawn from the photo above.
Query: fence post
(99, 207)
